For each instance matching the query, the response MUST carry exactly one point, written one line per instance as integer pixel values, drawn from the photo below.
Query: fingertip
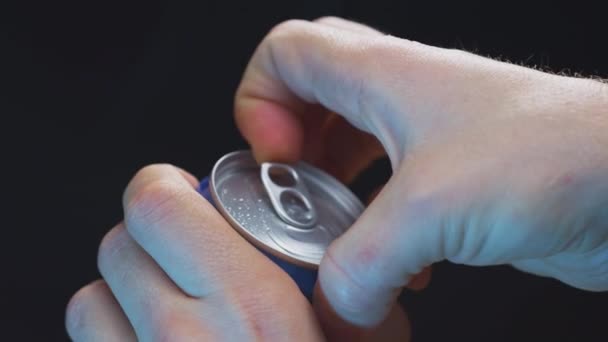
(394, 327)
(334, 327)
(273, 131)
(354, 296)
(421, 280)
(93, 314)
(190, 178)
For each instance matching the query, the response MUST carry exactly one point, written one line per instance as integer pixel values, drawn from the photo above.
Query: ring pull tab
(288, 195)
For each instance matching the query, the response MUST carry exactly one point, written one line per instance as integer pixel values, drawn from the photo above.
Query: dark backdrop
(92, 91)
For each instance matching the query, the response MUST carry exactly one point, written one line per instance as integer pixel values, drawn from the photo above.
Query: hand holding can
(493, 163)
(291, 213)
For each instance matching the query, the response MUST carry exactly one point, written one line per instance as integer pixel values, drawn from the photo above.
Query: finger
(300, 63)
(397, 90)
(207, 259)
(313, 120)
(189, 177)
(347, 151)
(395, 327)
(418, 281)
(348, 25)
(143, 290)
(421, 280)
(186, 236)
(364, 270)
(340, 325)
(330, 142)
(93, 314)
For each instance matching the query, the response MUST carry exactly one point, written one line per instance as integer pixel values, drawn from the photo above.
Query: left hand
(176, 271)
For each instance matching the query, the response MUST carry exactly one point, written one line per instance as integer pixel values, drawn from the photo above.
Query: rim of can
(252, 238)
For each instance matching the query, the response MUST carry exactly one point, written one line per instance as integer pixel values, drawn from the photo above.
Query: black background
(93, 90)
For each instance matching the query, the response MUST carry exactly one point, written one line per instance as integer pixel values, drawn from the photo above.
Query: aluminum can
(290, 212)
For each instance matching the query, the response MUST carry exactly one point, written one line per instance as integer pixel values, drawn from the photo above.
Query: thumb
(358, 76)
(363, 271)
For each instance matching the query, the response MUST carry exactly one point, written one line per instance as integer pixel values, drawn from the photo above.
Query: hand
(176, 271)
(493, 163)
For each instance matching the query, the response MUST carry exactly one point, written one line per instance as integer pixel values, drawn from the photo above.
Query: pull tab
(288, 195)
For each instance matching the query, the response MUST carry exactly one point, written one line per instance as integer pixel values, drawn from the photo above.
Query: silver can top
(293, 211)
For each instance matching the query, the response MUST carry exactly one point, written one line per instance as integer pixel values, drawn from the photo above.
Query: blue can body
(305, 278)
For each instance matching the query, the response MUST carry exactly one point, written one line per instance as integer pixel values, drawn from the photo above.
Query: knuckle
(153, 201)
(152, 169)
(329, 19)
(145, 175)
(79, 307)
(289, 27)
(111, 245)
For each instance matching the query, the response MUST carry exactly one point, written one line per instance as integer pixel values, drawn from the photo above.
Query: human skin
(174, 270)
(492, 164)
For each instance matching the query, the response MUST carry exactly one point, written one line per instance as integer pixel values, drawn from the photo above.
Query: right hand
(493, 163)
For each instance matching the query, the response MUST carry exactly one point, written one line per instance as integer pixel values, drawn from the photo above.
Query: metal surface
(241, 196)
(288, 195)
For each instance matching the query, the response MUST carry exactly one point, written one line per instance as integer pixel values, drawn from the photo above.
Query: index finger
(299, 63)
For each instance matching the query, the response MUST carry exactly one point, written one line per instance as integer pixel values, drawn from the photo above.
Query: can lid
(291, 211)
(288, 195)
